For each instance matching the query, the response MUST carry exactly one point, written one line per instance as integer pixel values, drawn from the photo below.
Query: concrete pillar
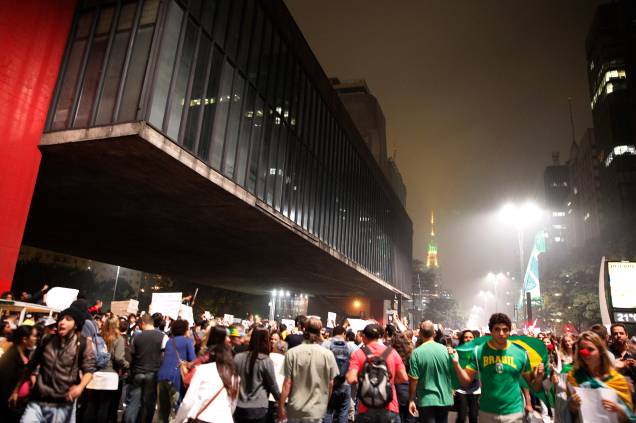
(33, 34)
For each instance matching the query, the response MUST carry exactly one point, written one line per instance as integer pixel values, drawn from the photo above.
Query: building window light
(557, 239)
(587, 216)
(606, 87)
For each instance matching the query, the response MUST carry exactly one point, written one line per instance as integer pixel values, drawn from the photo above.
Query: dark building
(203, 140)
(367, 115)
(611, 59)
(556, 180)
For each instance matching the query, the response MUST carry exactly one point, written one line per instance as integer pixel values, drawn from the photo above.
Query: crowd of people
(89, 366)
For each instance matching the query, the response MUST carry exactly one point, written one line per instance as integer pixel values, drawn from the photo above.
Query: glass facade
(219, 79)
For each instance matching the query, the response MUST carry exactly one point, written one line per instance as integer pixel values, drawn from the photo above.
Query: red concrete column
(33, 34)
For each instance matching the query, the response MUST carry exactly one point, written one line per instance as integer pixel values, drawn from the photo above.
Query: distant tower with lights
(431, 258)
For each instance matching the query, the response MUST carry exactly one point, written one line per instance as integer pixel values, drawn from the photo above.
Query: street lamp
(520, 216)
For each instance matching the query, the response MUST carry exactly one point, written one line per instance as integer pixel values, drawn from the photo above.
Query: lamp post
(520, 216)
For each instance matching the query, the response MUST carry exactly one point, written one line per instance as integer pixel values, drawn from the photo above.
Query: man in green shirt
(430, 370)
(500, 364)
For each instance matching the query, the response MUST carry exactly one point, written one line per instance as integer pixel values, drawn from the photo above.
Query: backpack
(340, 350)
(374, 381)
(102, 356)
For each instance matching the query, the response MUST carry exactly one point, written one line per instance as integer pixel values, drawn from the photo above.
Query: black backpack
(374, 381)
(340, 350)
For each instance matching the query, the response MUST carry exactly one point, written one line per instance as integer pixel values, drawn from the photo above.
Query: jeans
(378, 416)
(467, 406)
(99, 406)
(402, 390)
(142, 396)
(339, 403)
(167, 400)
(433, 414)
(37, 412)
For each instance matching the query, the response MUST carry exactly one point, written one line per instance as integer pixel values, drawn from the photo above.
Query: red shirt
(393, 361)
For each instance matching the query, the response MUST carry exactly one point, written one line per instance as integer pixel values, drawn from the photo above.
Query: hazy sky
(475, 99)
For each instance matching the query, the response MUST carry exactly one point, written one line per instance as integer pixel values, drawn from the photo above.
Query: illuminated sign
(619, 150)
(624, 317)
(622, 282)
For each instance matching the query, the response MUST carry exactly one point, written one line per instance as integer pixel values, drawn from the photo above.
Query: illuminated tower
(431, 258)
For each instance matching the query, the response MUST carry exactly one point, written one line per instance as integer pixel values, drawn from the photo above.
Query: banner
(531, 280)
(124, 308)
(166, 303)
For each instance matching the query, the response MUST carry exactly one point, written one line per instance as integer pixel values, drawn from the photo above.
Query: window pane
(113, 75)
(234, 121)
(136, 74)
(220, 23)
(197, 96)
(281, 171)
(220, 116)
(246, 35)
(263, 164)
(234, 28)
(181, 85)
(247, 119)
(255, 47)
(210, 104)
(255, 144)
(91, 79)
(165, 64)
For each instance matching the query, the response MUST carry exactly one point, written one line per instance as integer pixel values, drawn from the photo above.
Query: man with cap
(66, 362)
(237, 336)
(370, 336)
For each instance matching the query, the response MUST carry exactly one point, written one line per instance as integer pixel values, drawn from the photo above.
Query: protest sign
(289, 323)
(185, 312)
(207, 315)
(166, 303)
(228, 319)
(331, 319)
(124, 308)
(61, 298)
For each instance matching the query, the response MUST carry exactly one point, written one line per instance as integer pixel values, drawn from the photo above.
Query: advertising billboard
(622, 284)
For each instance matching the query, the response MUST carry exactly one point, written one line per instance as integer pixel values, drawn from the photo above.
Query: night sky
(475, 99)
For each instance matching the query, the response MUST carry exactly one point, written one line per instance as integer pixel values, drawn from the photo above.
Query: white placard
(207, 315)
(289, 323)
(246, 324)
(357, 324)
(124, 308)
(185, 312)
(61, 298)
(592, 409)
(228, 319)
(331, 319)
(166, 303)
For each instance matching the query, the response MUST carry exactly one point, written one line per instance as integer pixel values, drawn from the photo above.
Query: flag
(531, 279)
(536, 349)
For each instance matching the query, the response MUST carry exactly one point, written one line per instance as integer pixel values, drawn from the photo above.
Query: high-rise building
(431, 255)
(611, 60)
(368, 117)
(557, 188)
(583, 201)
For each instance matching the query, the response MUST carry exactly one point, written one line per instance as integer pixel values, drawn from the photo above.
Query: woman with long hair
(566, 350)
(404, 348)
(467, 397)
(102, 394)
(12, 365)
(592, 369)
(179, 348)
(258, 379)
(214, 389)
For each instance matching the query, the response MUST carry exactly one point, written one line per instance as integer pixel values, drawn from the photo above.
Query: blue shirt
(169, 369)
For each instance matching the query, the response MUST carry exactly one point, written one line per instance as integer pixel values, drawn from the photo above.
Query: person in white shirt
(213, 392)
